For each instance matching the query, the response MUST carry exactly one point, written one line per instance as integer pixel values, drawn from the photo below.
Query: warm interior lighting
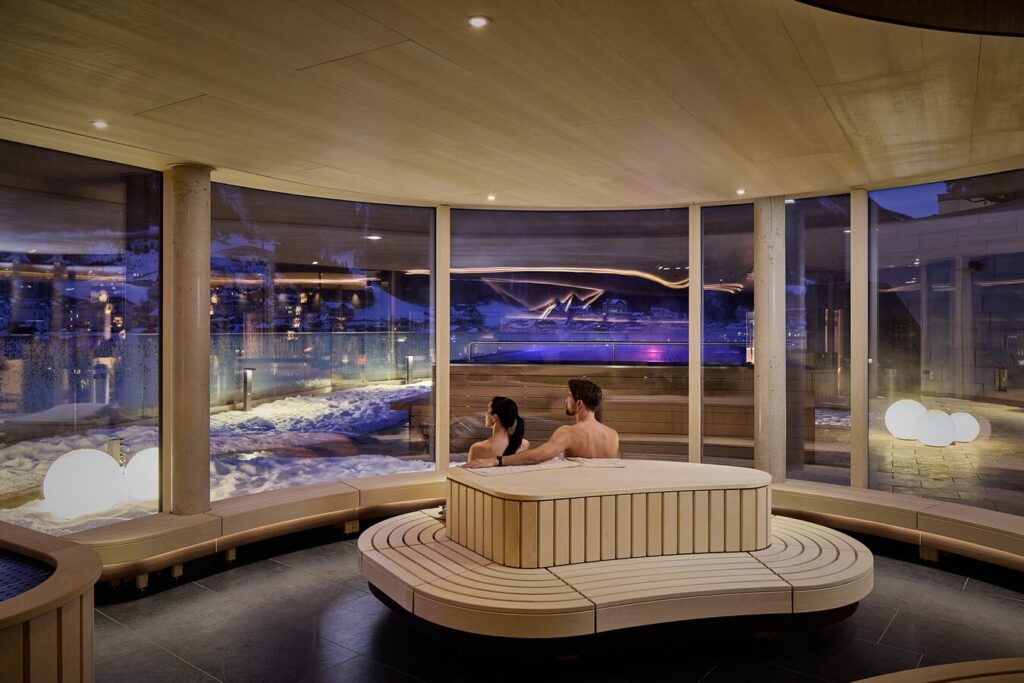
(491, 197)
(374, 237)
(316, 263)
(100, 125)
(478, 21)
(741, 191)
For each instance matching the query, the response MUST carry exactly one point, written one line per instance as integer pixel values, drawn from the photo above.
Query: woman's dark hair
(507, 412)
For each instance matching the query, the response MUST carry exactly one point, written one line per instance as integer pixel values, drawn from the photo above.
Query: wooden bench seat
(982, 671)
(986, 535)
(806, 568)
(135, 547)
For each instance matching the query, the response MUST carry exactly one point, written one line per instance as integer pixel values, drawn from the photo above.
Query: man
(588, 438)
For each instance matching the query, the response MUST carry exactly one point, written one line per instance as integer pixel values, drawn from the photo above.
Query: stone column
(770, 336)
(185, 335)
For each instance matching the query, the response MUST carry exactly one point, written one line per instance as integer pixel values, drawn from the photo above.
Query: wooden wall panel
(686, 530)
(623, 527)
(561, 532)
(593, 529)
(577, 530)
(546, 533)
(529, 535)
(654, 523)
(513, 520)
(732, 521)
(638, 531)
(716, 522)
(700, 521)
(607, 527)
(670, 523)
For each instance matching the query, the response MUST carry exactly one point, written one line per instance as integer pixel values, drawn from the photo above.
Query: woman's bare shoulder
(524, 446)
(481, 449)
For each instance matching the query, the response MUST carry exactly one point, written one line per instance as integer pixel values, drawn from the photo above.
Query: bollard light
(81, 482)
(936, 428)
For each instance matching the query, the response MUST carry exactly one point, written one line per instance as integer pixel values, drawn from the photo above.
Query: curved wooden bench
(136, 547)
(47, 632)
(986, 535)
(412, 560)
(982, 671)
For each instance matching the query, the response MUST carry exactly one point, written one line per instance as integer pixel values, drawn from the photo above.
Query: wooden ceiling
(558, 103)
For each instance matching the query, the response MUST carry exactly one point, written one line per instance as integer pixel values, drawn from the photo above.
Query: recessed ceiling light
(491, 197)
(100, 124)
(478, 21)
(316, 263)
(847, 232)
(741, 191)
(791, 201)
(374, 237)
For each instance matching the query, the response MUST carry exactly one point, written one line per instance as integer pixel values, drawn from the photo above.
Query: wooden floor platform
(806, 568)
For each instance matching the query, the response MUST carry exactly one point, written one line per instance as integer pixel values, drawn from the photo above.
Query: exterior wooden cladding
(552, 533)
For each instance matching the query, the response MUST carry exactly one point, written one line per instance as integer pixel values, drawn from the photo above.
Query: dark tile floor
(298, 610)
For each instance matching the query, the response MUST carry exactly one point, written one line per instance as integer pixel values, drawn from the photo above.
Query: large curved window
(320, 322)
(818, 339)
(947, 314)
(539, 297)
(728, 410)
(79, 339)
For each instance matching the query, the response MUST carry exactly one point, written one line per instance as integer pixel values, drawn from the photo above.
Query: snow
(828, 417)
(250, 450)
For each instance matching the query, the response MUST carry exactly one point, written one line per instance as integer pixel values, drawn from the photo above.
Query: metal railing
(614, 350)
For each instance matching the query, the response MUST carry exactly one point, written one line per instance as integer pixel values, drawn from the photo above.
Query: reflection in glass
(818, 339)
(320, 324)
(947, 316)
(79, 338)
(542, 296)
(728, 410)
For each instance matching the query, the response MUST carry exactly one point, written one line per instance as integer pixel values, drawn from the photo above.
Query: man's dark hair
(586, 391)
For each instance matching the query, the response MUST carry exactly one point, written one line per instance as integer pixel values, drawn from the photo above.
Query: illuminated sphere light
(901, 418)
(936, 428)
(967, 428)
(142, 475)
(81, 482)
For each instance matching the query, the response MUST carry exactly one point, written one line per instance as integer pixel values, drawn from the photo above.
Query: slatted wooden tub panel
(552, 533)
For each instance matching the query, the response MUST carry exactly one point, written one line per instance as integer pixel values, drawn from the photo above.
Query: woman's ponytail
(507, 412)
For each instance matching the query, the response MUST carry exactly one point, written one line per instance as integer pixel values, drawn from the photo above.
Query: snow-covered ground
(828, 417)
(275, 445)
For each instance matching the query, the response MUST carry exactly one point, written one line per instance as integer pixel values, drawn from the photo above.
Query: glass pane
(79, 339)
(728, 334)
(948, 337)
(818, 339)
(321, 357)
(539, 297)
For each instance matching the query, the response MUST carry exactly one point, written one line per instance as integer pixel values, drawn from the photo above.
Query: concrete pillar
(770, 336)
(442, 335)
(862, 333)
(695, 391)
(185, 336)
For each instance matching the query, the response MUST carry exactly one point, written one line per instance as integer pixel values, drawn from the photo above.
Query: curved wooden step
(806, 568)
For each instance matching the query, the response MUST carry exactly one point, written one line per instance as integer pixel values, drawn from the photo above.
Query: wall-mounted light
(741, 192)
(478, 21)
(374, 237)
(491, 197)
(100, 125)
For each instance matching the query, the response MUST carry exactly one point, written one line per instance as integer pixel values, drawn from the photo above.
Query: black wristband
(499, 461)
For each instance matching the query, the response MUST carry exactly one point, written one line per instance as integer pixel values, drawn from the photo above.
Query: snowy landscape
(288, 442)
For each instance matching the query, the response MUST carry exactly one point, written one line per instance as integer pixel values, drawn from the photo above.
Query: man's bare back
(588, 439)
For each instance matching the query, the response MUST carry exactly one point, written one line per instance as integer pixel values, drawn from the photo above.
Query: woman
(507, 430)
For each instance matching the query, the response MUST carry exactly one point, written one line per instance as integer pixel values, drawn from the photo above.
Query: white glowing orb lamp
(901, 418)
(936, 428)
(967, 428)
(82, 482)
(142, 475)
